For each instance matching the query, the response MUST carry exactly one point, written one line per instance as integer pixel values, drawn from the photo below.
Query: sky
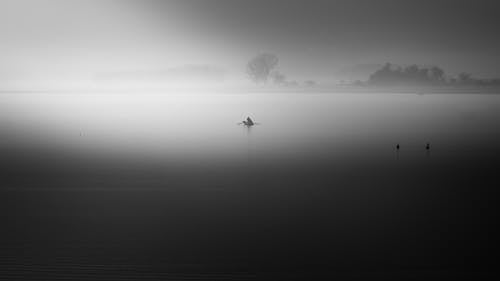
(70, 43)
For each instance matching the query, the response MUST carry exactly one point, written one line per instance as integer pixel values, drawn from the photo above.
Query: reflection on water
(170, 187)
(183, 126)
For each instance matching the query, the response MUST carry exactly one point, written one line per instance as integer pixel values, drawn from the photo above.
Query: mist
(249, 140)
(53, 44)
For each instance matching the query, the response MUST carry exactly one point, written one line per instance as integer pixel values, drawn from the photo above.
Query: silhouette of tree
(260, 67)
(278, 77)
(423, 76)
(410, 75)
(413, 75)
(465, 78)
(437, 74)
(382, 75)
(412, 72)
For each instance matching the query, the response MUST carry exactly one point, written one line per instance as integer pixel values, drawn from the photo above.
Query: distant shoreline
(273, 90)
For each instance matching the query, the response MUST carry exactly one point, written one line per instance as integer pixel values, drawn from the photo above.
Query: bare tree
(260, 67)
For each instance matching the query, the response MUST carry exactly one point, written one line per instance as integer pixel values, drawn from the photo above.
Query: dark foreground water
(123, 188)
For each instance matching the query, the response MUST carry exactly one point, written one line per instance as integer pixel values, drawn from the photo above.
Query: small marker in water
(428, 146)
(397, 146)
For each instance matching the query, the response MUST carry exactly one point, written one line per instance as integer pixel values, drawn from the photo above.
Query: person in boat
(248, 122)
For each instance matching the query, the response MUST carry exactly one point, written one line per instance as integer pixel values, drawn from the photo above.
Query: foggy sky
(54, 42)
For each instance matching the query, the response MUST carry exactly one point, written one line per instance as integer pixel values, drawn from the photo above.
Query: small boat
(249, 122)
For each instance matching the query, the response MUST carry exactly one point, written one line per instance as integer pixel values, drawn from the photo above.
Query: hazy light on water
(203, 125)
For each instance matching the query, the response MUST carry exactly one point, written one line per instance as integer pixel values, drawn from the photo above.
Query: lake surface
(151, 186)
(203, 126)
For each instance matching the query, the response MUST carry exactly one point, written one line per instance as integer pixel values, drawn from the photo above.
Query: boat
(249, 122)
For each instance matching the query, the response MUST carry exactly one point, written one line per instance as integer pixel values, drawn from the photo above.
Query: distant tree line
(467, 79)
(414, 75)
(411, 75)
(261, 69)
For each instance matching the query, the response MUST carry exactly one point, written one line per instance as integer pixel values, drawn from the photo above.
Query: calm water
(144, 186)
(199, 127)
